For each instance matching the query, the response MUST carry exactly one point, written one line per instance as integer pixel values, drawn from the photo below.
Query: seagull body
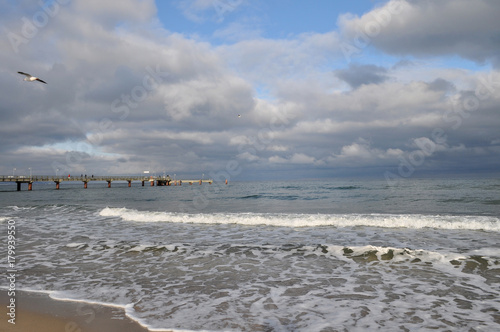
(30, 78)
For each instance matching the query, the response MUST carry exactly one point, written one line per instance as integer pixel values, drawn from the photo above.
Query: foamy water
(250, 265)
(486, 223)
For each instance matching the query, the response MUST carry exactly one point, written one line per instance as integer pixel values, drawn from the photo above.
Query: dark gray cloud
(357, 75)
(440, 84)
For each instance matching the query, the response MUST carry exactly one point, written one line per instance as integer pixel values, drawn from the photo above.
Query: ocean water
(332, 255)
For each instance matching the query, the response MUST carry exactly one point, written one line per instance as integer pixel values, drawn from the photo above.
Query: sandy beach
(38, 312)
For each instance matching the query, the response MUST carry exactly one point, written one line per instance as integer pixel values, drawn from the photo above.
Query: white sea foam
(494, 252)
(414, 221)
(21, 208)
(76, 245)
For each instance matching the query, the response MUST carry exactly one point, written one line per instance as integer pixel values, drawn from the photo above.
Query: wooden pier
(159, 180)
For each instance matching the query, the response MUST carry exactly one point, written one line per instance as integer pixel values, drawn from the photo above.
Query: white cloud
(356, 150)
(277, 160)
(300, 158)
(296, 158)
(247, 156)
(277, 148)
(446, 27)
(281, 60)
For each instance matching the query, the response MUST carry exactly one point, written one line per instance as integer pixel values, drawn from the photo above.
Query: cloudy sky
(251, 89)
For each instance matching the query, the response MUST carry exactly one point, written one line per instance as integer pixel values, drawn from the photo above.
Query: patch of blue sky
(263, 92)
(459, 62)
(276, 19)
(370, 55)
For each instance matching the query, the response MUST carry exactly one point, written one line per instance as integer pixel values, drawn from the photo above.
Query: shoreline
(37, 311)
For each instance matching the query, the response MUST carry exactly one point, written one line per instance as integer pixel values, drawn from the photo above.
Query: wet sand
(38, 312)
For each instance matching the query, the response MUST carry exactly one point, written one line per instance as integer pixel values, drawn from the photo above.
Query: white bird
(30, 78)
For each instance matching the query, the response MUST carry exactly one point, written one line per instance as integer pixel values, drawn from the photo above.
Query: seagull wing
(20, 72)
(41, 81)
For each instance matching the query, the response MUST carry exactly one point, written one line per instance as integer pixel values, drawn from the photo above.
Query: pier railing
(52, 178)
(159, 180)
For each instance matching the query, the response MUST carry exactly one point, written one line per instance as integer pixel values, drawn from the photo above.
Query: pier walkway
(159, 180)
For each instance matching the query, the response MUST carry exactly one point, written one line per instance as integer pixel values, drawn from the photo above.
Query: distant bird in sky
(239, 115)
(30, 78)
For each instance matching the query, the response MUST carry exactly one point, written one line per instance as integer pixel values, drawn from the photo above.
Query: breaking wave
(413, 221)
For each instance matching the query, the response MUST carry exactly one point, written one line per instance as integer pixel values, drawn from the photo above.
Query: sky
(251, 90)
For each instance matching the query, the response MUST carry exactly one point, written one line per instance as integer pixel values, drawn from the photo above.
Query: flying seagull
(30, 78)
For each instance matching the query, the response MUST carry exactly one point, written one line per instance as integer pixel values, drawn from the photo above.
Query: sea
(305, 255)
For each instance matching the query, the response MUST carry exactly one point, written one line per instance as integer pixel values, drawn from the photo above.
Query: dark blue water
(421, 196)
(268, 256)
